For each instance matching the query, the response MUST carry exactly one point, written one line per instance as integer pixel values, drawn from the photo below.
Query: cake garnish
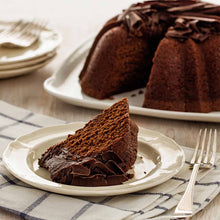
(196, 28)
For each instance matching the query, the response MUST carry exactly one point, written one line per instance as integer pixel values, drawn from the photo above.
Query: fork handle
(185, 205)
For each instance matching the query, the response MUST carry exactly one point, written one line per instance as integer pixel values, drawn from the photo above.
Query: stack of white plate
(14, 62)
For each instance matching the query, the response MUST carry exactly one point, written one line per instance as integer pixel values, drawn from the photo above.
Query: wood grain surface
(75, 20)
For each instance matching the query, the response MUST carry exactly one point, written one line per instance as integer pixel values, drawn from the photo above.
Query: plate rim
(98, 104)
(89, 191)
(190, 116)
(25, 70)
(26, 63)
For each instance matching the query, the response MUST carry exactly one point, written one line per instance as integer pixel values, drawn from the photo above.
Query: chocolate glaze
(64, 168)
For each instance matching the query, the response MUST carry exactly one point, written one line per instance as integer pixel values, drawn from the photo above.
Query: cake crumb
(145, 172)
(140, 92)
(133, 95)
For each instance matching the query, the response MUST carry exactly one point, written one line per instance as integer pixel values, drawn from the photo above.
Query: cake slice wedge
(98, 154)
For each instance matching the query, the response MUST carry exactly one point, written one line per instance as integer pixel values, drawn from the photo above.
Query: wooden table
(75, 20)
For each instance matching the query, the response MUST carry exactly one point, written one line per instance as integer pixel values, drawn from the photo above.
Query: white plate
(158, 155)
(28, 62)
(64, 84)
(49, 40)
(24, 70)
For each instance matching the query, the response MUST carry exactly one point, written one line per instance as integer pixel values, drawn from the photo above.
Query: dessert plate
(28, 62)
(24, 70)
(159, 158)
(64, 84)
(48, 41)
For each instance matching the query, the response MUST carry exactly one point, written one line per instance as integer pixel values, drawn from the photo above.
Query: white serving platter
(64, 84)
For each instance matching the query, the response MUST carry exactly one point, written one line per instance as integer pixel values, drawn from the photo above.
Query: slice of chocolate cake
(98, 154)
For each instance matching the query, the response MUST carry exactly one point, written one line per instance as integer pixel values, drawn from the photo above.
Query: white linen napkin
(31, 203)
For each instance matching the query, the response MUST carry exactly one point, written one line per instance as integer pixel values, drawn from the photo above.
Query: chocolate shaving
(177, 14)
(198, 29)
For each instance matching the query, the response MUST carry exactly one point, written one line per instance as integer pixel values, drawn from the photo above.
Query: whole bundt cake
(173, 46)
(98, 154)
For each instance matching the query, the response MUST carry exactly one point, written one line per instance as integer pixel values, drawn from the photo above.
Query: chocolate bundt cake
(173, 46)
(98, 154)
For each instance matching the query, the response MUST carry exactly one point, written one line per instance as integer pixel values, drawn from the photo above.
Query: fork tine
(35, 32)
(214, 145)
(20, 36)
(203, 146)
(208, 147)
(12, 30)
(41, 25)
(30, 27)
(16, 33)
(27, 27)
(197, 147)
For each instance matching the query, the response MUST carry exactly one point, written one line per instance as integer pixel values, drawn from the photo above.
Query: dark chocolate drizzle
(66, 168)
(139, 17)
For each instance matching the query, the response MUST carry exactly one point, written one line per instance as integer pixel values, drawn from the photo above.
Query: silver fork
(200, 159)
(22, 34)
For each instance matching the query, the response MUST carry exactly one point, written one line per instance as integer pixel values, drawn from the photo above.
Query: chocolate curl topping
(196, 7)
(195, 28)
(134, 22)
(134, 19)
(152, 13)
